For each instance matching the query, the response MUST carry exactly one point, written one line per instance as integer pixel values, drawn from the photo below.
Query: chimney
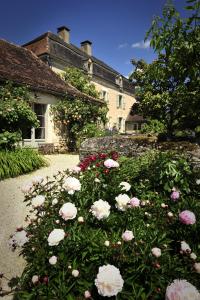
(86, 47)
(63, 33)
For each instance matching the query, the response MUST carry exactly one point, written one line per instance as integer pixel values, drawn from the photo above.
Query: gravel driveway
(13, 210)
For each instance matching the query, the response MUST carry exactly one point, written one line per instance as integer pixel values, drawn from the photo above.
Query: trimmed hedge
(19, 161)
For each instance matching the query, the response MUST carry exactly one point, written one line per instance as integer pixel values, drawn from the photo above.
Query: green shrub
(158, 171)
(89, 130)
(91, 238)
(19, 161)
(153, 127)
(9, 140)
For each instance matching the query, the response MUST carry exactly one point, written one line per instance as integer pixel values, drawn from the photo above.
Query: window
(40, 109)
(37, 133)
(104, 96)
(120, 101)
(119, 81)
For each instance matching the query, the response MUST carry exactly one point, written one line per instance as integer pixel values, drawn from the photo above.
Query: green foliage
(72, 115)
(9, 140)
(81, 81)
(83, 248)
(15, 109)
(168, 88)
(90, 130)
(153, 127)
(19, 161)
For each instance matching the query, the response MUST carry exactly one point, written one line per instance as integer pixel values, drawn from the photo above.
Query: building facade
(23, 67)
(115, 89)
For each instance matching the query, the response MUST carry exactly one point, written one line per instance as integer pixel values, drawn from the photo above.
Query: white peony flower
(37, 179)
(55, 237)
(35, 279)
(97, 180)
(109, 281)
(38, 201)
(53, 260)
(107, 243)
(197, 267)
(181, 290)
(125, 186)
(170, 214)
(122, 201)
(198, 181)
(68, 211)
(193, 256)
(75, 273)
(71, 184)
(127, 236)
(185, 247)
(110, 163)
(100, 209)
(156, 252)
(18, 239)
(54, 201)
(26, 188)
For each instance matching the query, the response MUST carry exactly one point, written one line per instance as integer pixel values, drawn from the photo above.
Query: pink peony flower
(110, 163)
(127, 235)
(187, 217)
(134, 202)
(87, 295)
(175, 195)
(181, 289)
(76, 169)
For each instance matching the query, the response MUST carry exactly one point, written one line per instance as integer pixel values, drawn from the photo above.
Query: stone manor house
(115, 89)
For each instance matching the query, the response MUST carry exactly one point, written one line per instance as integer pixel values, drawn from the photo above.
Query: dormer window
(119, 81)
(88, 66)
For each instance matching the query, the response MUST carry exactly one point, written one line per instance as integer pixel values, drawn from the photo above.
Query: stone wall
(133, 146)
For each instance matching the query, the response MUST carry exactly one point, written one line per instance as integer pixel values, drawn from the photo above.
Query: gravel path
(13, 210)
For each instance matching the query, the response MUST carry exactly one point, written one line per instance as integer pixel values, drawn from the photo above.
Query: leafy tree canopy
(81, 81)
(168, 89)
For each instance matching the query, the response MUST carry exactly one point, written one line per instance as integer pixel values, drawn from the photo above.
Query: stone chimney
(86, 47)
(63, 33)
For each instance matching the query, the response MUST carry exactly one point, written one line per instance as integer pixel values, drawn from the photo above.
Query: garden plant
(113, 228)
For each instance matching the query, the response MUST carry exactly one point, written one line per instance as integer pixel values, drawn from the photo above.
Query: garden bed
(118, 228)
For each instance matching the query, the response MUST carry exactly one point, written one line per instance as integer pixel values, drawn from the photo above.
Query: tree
(16, 114)
(169, 87)
(73, 115)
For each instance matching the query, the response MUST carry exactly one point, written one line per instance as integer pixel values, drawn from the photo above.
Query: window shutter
(124, 125)
(117, 101)
(124, 103)
(107, 97)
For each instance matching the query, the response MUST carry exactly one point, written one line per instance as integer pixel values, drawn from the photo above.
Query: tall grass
(19, 161)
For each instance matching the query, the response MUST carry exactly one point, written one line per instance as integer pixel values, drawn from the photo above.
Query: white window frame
(33, 139)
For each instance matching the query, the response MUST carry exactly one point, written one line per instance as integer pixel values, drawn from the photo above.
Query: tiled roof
(135, 118)
(22, 66)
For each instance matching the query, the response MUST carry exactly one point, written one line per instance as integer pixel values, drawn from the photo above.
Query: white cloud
(124, 45)
(141, 45)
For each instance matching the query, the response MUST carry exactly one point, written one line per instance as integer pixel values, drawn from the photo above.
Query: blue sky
(115, 27)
